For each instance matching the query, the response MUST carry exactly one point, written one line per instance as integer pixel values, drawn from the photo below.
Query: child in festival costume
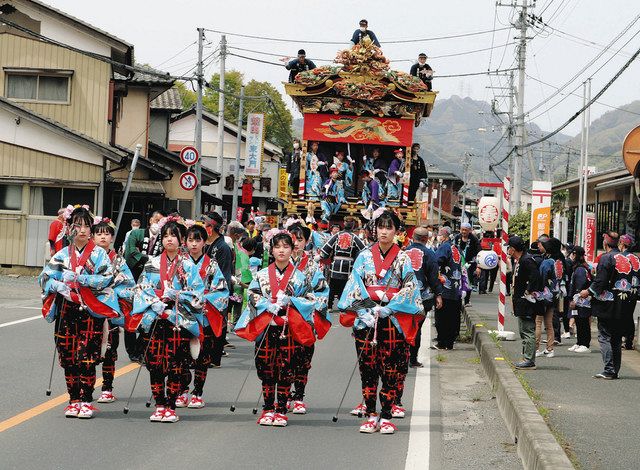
(279, 318)
(169, 297)
(76, 296)
(216, 298)
(103, 232)
(394, 179)
(382, 303)
(332, 195)
(319, 294)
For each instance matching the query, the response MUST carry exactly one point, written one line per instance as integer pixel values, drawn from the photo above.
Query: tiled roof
(139, 76)
(169, 100)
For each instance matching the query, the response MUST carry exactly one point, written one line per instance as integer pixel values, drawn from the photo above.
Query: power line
(591, 101)
(435, 76)
(399, 41)
(176, 55)
(589, 64)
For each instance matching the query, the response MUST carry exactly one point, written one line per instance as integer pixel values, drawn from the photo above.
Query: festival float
(354, 105)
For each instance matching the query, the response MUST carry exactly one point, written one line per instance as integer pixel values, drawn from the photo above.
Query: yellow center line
(59, 400)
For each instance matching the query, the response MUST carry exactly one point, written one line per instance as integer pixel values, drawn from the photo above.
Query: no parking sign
(188, 181)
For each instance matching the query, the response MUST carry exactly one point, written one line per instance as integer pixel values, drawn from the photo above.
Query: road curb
(536, 446)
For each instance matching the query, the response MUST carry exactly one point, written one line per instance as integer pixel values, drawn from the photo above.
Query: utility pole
(522, 24)
(221, 96)
(586, 164)
(236, 173)
(440, 202)
(197, 205)
(581, 196)
(467, 162)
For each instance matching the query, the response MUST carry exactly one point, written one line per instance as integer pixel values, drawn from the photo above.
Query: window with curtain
(10, 197)
(34, 87)
(45, 200)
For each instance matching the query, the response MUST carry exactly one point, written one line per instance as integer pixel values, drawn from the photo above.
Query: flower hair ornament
(171, 218)
(268, 236)
(70, 208)
(97, 219)
(292, 221)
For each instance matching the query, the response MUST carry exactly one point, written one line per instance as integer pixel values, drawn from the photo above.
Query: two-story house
(71, 113)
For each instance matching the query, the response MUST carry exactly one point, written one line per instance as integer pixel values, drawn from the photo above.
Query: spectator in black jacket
(611, 303)
(526, 280)
(469, 247)
(425, 265)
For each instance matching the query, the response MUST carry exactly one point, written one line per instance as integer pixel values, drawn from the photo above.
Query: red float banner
(358, 129)
(590, 237)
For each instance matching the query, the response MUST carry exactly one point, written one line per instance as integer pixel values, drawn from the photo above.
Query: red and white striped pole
(506, 188)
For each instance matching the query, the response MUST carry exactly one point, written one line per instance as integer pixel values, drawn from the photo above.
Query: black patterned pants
(302, 361)
(384, 362)
(275, 364)
(167, 356)
(200, 365)
(110, 358)
(78, 339)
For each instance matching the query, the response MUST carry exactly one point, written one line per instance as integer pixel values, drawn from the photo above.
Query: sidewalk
(597, 419)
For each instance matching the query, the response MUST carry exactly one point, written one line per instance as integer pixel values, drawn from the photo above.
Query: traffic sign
(188, 181)
(189, 155)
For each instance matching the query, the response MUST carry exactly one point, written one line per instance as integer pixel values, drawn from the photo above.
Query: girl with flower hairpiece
(103, 232)
(169, 298)
(76, 296)
(319, 294)
(216, 298)
(278, 318)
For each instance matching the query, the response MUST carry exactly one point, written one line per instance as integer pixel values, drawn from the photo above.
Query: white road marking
(15, 322)
(419, 429)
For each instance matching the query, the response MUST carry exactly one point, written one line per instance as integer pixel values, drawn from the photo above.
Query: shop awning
(625, 181)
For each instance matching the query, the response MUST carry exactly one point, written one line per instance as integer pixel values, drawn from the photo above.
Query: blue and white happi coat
(186, 294)
(400, 275)
(216, 291)
(259, 297)
(97, 275)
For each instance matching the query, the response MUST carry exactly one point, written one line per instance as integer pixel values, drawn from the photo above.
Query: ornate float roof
(361, 83)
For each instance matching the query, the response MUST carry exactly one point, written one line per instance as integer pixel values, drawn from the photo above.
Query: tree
(187, 96)
(559, 201)
(278, 118)
(520, 224)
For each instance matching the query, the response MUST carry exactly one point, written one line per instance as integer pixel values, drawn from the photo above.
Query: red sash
(382, 265)
(348, 318)
(281, 285)
(74, 262)
(205, 265)
(376, 291)
(255, 327)
(167, 272)
(300, 329)
(321, 324)
(303, 262)
(216, 320)
(409, 324)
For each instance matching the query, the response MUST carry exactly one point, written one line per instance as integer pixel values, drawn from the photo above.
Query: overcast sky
(161, 29)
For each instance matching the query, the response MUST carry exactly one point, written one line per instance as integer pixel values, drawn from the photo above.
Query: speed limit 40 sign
(188, 181)
(189, 155)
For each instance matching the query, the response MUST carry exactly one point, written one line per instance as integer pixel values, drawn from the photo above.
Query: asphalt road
(34, 434)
